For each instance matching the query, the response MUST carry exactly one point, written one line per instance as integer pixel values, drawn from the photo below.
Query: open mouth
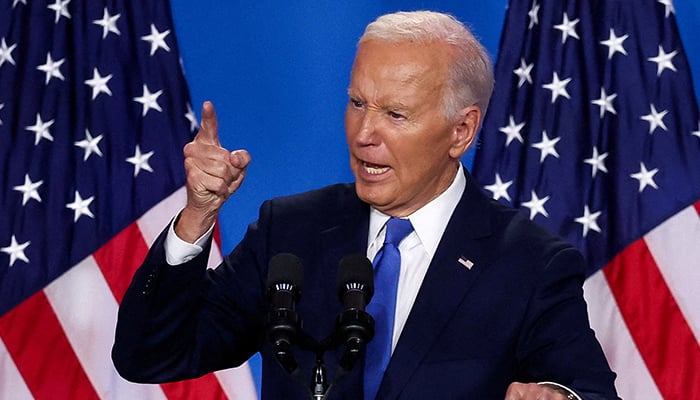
(374, 169)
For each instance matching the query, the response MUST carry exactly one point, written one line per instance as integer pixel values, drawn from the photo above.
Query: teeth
(375, 170)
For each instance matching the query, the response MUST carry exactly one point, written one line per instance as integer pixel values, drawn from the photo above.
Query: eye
(395, 115)
(356, 103)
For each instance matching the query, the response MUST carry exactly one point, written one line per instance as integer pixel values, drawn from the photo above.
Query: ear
(464, 130)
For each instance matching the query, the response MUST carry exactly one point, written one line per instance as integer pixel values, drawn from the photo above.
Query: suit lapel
(349, 235)
(446, 274)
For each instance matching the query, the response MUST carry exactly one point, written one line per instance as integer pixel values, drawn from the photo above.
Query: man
(488, 306)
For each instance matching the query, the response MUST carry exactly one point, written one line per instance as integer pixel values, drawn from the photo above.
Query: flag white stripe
(152, 223)
(87, 311)
(633, 378)
(12, 384)
(215, 257)
(238, 383)
(675, 246)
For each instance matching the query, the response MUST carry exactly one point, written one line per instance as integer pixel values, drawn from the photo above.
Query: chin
(371, 196)
(364, 193)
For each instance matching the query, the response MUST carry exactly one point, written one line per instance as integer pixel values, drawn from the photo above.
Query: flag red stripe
(206, 387)
(697, 206)
(118, 259)
(655, 321)
(44, 356)
(217, 233)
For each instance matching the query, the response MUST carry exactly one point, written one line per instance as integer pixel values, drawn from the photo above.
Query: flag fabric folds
(593, 132)
(94, 112)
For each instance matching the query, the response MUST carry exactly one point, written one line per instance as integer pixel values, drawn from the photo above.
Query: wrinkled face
(403, 150)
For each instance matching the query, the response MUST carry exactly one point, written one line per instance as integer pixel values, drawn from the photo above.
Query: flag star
(52, 68)
(547, 146)
(149, 100)
(157, 39)
(98, 83)
(668, 5)
(605, 102)
(512, 131)
(694, 133)
(655, 119)
(15, 2)
(29, 190)
(499, 188)
(663, 61)
(16, 250)
(108, 23)
(534, 19)
(597, 161)
(536, 205)
(2, 105)
(81, 207)
(645, 177)
(61, 9)
(140, 161)
(41, 130)
(558, 87)
(523, 72)
(6, 53)
(567, 28)
(589, 221)
(614, 44)
(90, 145)
(191, 117)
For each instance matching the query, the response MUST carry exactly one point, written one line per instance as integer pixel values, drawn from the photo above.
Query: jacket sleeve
(557, 342)
(180, 322)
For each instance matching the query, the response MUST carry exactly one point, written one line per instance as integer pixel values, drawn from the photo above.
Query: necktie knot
(396, 230)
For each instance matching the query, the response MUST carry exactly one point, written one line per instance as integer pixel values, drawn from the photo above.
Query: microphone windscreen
(356, 268)
(285, 268)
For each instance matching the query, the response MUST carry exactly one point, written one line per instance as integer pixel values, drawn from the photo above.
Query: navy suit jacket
(517, 315)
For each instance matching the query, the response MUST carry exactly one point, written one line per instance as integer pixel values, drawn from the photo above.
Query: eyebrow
(390, 106)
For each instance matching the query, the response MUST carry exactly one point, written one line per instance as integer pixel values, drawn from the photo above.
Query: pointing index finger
(209, 130)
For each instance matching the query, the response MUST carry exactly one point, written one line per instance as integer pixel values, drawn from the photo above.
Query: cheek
(352, 121)
(413, 155)
(421, 157)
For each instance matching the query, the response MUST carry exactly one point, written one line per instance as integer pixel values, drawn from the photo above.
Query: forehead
(381, 67)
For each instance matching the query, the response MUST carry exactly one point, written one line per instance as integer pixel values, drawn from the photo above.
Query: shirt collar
(429, 222)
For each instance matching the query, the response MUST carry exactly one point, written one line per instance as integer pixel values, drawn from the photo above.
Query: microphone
(284, 282)
(355, 289)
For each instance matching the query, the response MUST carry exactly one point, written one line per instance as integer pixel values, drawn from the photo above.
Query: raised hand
(213, 175)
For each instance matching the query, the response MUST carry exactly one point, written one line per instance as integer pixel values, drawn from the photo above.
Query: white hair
(470, 79)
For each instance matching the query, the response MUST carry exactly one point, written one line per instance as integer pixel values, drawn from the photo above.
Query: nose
(367, 129)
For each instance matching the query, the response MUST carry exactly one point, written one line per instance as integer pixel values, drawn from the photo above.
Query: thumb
(209, 130)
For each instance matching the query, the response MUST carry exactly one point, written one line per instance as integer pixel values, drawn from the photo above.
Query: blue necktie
(387, 264)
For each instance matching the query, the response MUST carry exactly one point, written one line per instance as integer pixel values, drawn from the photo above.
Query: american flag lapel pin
(466, 262)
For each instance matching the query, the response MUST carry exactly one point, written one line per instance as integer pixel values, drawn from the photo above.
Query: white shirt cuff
(177, 251)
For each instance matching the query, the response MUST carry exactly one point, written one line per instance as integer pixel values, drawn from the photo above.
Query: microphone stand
(319, 384)
(354, 328)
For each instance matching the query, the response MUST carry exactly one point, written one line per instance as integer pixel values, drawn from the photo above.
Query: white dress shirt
(418, 248)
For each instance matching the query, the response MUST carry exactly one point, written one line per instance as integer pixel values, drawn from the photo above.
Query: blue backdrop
(277, 73)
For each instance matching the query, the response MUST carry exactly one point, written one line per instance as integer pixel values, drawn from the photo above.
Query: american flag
(94, 112)
(593, 132)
